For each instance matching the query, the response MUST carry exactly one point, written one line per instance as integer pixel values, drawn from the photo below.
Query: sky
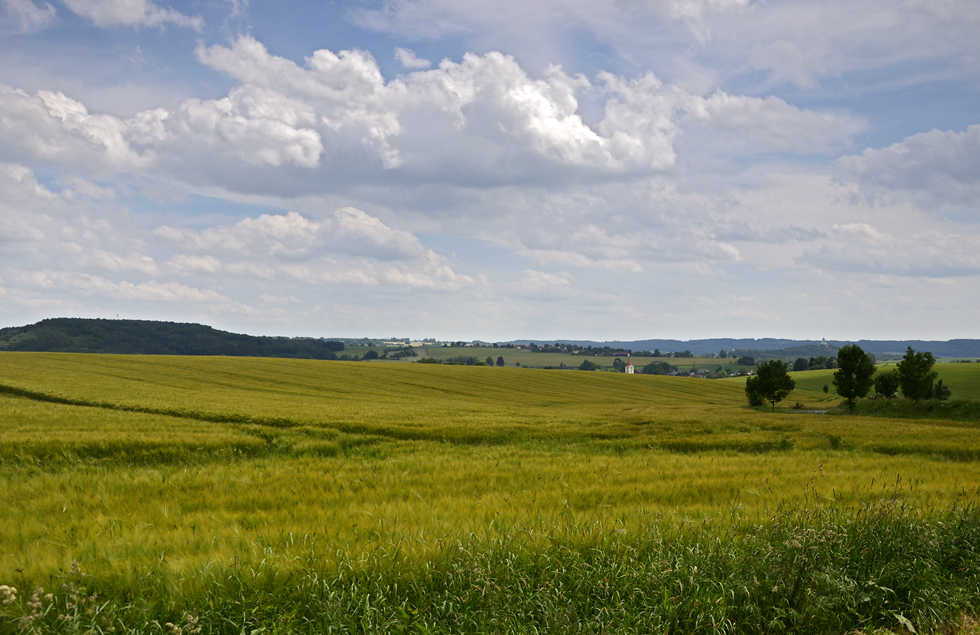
(580, 169)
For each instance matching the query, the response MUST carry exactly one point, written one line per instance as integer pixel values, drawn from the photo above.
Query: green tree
(853, 378)
(886, 384)
(371, 354)
(801, 363)
(941, 391)
(915, 374)
(770, 384)
(657, 368)
(818, 363)
(619, 365)
(500, 360)
(755, 399)
(588, 364)
(489, 360)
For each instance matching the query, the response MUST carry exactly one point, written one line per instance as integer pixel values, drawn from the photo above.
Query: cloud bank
(684, 168)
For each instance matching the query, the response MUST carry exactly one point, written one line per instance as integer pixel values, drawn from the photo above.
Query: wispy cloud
(28, 16)
(131, 13)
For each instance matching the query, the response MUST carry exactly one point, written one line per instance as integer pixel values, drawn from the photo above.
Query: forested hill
(143, 337)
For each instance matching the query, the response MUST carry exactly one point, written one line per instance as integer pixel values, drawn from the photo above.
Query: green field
(382, 497)
(963, 378)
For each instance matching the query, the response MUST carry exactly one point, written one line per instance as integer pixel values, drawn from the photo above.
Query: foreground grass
(327, 497)
(953, 410)
(818, 572)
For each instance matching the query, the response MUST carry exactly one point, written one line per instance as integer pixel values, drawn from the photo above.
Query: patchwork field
(529, 359)
(234, 494)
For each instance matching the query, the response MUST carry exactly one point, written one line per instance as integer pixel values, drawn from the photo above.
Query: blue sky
(601, 169)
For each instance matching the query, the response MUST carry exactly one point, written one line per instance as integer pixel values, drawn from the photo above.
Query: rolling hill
(145, 337)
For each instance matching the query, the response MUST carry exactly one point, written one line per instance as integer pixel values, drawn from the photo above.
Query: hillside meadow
(964, 379)
(236, 494)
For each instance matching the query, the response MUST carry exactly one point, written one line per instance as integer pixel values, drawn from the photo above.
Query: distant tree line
(463, 360)
(601, 351)
(392, 353)
(143, 337)
(819, 362)
(789, 353)
(399, 353)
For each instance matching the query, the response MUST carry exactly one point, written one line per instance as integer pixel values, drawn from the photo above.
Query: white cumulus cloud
(52, 127)
(409, 60)
(250, 126)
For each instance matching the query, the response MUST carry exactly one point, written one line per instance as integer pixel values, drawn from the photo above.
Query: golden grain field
(124, 462)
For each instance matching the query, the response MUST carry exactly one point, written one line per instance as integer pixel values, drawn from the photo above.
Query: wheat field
(170, 472)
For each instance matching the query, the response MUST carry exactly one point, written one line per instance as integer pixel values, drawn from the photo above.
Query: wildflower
(8, 594)
(35, 603)
(193, 623)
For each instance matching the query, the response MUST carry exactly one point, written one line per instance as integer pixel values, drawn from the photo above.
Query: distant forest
(144, 337)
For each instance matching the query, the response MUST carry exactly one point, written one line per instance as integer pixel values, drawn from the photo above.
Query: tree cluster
(818, 362)
(855, 376)
(914, 377)
(401, 353)
(657, 368)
